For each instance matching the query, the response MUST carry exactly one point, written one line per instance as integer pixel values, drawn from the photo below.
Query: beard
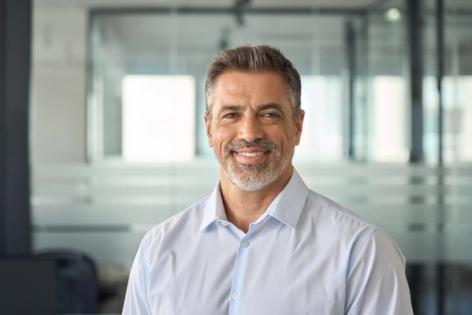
(254, 177)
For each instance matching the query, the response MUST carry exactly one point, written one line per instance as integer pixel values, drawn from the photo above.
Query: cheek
(282, 136)
(221, 138)
(223, 134)
(291, 134)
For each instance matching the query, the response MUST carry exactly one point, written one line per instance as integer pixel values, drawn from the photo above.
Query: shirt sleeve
(136, 301)
(376, 281)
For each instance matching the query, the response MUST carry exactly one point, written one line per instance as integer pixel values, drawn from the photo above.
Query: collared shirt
(304, 255)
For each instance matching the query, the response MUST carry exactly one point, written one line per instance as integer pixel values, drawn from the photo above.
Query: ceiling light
(393, 14)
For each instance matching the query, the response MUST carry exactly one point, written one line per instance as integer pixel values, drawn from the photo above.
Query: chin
(250, 186)
(254, 180)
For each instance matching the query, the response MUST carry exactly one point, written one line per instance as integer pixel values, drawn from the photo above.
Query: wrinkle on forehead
(240, 88)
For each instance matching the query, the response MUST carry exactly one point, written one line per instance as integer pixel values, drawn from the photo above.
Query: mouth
(251, 155)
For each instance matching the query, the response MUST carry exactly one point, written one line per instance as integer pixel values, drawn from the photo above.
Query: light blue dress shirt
(305, 255)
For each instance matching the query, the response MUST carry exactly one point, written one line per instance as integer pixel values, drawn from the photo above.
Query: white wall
(58, 93)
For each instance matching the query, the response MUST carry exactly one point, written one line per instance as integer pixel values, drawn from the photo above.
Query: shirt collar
(214, 209)
(286, 207)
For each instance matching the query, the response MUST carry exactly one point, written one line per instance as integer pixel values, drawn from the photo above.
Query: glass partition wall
(412, 93)
(168, 52)
(381, 136)
(380, 122)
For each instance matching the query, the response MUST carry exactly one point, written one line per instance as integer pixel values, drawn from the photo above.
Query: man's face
(251, 128)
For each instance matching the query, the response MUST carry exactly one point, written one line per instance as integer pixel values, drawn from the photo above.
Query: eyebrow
(275, 106)
(226, 108)
(259, 108)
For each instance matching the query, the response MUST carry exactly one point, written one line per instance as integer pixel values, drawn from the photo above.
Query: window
(322, 128)
(158, 118)
(389, 124)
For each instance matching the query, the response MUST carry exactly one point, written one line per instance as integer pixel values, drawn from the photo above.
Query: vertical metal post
(15, 51)
(350, 48)
(357, 50)
(415, 58)
(363, 85)
(2, 127)
(440, 74)
(441, 267)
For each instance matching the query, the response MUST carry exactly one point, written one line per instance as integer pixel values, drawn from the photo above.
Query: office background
(113, 129)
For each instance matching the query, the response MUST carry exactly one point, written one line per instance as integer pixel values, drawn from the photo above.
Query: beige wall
(58, 93)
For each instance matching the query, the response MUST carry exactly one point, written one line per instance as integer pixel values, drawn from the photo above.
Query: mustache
(263, 144)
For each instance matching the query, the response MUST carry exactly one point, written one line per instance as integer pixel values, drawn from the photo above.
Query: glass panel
(428, 227)
(381, 111)
(458, 85)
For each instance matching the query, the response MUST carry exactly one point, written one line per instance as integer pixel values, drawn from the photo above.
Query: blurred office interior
(111, 139)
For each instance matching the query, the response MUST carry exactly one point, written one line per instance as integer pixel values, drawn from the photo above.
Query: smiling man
(262, 242)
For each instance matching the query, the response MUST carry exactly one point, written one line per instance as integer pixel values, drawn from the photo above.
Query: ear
(208, 129)
(299, 125)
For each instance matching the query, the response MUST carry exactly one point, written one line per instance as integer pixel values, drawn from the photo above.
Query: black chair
(76, 281)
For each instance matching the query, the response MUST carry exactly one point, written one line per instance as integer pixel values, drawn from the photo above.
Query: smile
(251, 154)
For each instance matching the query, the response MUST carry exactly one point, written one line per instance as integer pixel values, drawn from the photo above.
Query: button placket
(239, 271)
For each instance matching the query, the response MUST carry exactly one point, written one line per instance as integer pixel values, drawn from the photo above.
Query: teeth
(251, 154)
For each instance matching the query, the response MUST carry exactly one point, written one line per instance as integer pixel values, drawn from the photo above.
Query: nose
(250, 129)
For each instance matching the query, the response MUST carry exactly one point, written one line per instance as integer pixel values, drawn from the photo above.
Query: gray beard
(255, 177)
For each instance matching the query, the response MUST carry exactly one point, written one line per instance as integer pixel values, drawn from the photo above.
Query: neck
(244, 207)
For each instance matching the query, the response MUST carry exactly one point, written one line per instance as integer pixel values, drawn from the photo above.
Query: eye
(270, 115)
(230, 115)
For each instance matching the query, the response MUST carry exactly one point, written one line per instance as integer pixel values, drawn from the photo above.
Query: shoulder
(180, 225)
(350, 228)
(328, 213)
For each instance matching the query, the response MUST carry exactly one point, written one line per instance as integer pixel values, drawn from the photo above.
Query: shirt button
(245, 244)
(223, 223)
(235, 296)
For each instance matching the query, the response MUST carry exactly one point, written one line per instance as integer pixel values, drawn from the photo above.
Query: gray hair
(260, 58)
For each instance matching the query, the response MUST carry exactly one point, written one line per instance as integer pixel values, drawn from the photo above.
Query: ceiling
(315, 42)
(452, 4)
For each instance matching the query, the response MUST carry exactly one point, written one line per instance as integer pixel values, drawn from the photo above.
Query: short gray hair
(255, 58)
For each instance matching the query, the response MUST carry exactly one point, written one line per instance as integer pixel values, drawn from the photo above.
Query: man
(262, 242)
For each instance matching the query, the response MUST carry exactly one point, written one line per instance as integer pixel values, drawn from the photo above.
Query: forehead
(240, 88)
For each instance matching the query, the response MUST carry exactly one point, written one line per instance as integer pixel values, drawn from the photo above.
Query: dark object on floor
(76, 281)
(27, 286)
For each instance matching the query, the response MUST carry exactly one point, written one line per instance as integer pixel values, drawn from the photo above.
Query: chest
(249, 276)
